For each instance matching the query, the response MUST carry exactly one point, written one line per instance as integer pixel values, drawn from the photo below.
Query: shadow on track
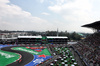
(26, 57)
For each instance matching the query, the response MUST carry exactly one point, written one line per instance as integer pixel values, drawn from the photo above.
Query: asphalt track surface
(26, 57)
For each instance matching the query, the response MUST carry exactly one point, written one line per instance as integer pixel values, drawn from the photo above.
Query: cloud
(12, 17)
(44, 13)
(78, 7)
(68, 15)
(77, 12)
(60, 2)
(41, 1)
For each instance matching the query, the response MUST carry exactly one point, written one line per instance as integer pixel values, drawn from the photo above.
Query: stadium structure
(19, 49)
(89, 48)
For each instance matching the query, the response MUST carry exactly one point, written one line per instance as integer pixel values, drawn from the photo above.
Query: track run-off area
(11, 55)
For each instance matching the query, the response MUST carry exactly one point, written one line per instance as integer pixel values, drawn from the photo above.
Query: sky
(44, 15)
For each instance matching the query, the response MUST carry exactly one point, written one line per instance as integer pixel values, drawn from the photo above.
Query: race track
(26, 57)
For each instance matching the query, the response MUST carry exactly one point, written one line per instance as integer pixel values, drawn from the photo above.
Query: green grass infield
(8, 57)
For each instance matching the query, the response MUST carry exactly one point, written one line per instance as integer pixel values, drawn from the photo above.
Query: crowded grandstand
(89, 48)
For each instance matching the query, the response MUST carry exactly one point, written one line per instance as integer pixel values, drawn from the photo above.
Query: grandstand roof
(95, 25)
(41, 37)
(9, 38)
(57, 37)
(29, 36)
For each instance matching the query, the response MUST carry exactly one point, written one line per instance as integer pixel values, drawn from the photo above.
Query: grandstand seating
(89, 49)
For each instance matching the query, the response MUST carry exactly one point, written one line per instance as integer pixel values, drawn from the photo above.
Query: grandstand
(89, 48)
(42, 40)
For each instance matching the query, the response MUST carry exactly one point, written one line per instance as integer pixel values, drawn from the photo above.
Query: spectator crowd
(89, 49)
